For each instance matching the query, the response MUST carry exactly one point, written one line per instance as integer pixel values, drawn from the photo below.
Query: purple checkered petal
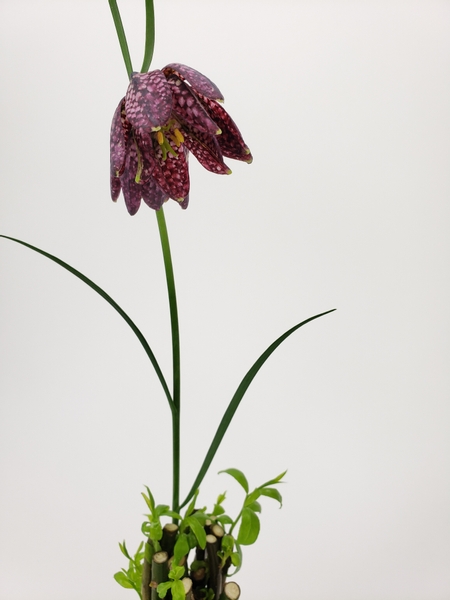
(120, 132)
(188, 110)
(207, 151)
(153, 195)
(148, 102)
(115, 187)
(230, 140)
(147, 153)
(132, 191)
(198, 82)
(184, 203)
(172, 173)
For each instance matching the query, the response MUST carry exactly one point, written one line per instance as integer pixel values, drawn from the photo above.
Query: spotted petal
(230, 140)
(115, 187)
(207, 151)
(120, 131)
(188, 110)
(132, 191)
(146, 155)
(153, 195)
(172, 172)
(199, 82)
(148, 102)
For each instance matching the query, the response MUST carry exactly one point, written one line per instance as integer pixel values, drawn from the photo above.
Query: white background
(345, 106)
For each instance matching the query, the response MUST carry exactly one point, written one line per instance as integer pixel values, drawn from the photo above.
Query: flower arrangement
(165, 115)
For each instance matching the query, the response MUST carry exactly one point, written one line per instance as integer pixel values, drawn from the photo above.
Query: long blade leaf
(110, 301)
(236, 400)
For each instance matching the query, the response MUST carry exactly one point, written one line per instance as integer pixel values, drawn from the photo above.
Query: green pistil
(167, 148)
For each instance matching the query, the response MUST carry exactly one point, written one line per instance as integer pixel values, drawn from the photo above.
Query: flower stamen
(179, 136)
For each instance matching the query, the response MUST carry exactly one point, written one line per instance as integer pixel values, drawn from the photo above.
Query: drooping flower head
(164, 116)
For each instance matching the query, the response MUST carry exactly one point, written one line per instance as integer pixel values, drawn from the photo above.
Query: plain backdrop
(345, 106)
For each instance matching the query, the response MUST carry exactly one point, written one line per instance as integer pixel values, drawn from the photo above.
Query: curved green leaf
(124, 581)
(236, 559)
(255, 506)
(197, 530)
(163, 588)
(249, 529)
(178, 590)
(252, 497)
(236, 400)
(181, 548)
(274, 480)
(113, 303)
(239, 476)
(272, 493)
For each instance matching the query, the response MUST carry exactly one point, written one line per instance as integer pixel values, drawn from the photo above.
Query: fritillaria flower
(164, 116)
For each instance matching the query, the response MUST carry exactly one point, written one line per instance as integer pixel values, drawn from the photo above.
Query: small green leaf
(197, 530)
(147, 501)
(151, 500)
(192, 540)
(163, 588)
(124, 550)
(252, 497)
(239, 476)
(176, 572)
(155, 531)
(198, 564)
(178, 590)
(139, 549)
(181, 548)
(161, 509)
(221, 498)
(275, 480)
(191, 506)
(224, 520)
(148, 552)
(255, 506)
(201, 516)
(145, 528)
(272, 493)
(218, 510)
(123, 580)
(171, 513)
(236, 559)
(249, 529)
(227, 543)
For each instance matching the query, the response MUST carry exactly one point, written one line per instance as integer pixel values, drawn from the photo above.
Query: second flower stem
(175, 356)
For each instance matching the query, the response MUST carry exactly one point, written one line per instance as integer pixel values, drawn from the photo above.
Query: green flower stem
(175, 357)
(121, 35)
(149, 35)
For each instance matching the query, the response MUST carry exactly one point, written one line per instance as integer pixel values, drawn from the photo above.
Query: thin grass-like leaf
(113, 303)
(149, 35)
(236, 400)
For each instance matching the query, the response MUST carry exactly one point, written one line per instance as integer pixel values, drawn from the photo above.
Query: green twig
(175, 356)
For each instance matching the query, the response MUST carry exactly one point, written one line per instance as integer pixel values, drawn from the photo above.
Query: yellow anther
(160, 138)
(179, 136)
